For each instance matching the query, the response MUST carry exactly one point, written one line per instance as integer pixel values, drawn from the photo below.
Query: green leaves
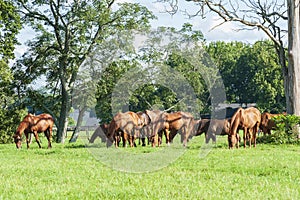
(67, 33)
(251, 73)
(10, 113)
(10, 24)
(286, 131)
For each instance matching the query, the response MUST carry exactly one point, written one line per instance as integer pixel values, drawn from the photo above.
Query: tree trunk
(64, 112)
(78, 124)
(293, 78)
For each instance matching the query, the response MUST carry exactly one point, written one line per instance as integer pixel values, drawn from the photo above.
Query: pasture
(69, 171)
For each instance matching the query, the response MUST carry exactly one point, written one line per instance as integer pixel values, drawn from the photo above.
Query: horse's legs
(245, 135)
(48, 134)
(124, 138)
(27, 140)
(30, 138)
(159, 139)
(207, 138)
(116, 138)
(132, 141)
(184, 136)
(37, 138)
(154, 139)
(238, 140)
(255, 130)
(167, 135)
(250, 132)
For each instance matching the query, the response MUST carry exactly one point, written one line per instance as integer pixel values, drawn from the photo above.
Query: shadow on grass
(75, 146)
(46, 152)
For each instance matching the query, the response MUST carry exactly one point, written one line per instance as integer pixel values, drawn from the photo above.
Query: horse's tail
(235, 120)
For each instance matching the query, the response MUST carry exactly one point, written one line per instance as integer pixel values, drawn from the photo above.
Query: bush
(286, 131)
(9, 122)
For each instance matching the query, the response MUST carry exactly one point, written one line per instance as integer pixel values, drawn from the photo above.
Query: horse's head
(110, 141)
(233, 140)
(17, 140)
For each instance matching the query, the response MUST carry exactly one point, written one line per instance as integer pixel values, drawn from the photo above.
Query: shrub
(9, 121)
(286, 131)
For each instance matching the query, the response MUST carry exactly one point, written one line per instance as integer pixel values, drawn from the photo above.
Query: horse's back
(253, 113)
(45, 116)
(43, 122)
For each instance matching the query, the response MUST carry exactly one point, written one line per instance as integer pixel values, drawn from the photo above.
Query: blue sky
(226, 32)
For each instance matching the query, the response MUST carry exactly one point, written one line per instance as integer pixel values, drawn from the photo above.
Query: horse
(34, 124)
(124, 125)
(182, 122)
(247, 119)
(267, 123)
(101, 132)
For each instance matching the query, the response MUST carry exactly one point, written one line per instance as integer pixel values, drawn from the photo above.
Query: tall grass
(70, 171)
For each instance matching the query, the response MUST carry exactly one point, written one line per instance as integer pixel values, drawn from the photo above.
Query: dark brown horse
(34, 124)
(213, 127)
(101, 132)
(247, 119)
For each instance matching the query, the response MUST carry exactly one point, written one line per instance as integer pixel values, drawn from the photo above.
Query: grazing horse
(267, 123)
(124, 125)
(183, 122)
(101, 132)
(34, 124)
(247, 119)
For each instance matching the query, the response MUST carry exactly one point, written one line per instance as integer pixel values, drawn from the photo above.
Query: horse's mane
(235, 120)
(24, 124)
(21, 128)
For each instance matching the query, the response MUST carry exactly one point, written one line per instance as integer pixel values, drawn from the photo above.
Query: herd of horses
(153, 124)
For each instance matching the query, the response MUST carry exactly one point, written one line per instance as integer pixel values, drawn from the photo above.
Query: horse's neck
(21, 128)
(236, 121)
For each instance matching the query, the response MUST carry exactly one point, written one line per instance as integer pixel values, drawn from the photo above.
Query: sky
(226, 32)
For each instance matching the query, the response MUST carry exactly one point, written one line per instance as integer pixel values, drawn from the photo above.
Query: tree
(105, 86)
(67, 32)
(251, 73)
(292, 77)
(169, 71)
(267, 16)
(225, 56)
(265, 86)
(10, 113)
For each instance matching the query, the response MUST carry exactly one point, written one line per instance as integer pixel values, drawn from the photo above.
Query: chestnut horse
(34, 124)
(124, 125)
(182, 122)
(247, 119)
(267, 123)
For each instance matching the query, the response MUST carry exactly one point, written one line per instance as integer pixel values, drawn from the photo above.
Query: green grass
(72, 171)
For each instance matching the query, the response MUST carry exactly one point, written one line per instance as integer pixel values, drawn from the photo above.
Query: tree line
(74, 38)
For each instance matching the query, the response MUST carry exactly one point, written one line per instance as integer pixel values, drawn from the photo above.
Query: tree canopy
(67, 32)
(277, 19)
(251, 73)
(10, 112)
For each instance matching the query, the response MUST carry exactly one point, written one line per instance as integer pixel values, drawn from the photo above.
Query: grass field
(72, 171)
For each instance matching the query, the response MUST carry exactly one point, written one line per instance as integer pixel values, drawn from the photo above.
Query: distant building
(226, 110)
(88, 119)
